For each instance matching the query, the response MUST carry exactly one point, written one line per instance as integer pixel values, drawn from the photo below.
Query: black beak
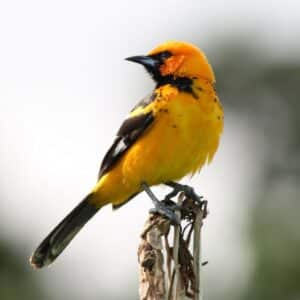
(150, 63)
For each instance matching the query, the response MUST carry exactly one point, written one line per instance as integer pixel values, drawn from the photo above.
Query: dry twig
(182, 278)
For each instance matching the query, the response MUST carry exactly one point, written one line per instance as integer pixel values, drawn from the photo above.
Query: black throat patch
(183, 84)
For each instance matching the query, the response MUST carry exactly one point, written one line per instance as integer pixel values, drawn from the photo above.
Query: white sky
(64, 89)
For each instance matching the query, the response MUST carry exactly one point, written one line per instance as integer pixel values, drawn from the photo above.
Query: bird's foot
(166, 208)
(162, 208)
(192, 201)
(187, 190)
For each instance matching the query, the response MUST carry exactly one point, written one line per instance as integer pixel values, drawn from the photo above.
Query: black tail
(63, 233)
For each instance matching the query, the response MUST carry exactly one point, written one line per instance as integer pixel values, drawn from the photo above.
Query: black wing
(129, 132)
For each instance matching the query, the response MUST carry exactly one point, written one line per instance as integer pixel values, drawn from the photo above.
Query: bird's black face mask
(152, 63)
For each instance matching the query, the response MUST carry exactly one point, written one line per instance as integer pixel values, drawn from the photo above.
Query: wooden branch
(172, 273)
(197, 255)
(177, 290)
(151, 259)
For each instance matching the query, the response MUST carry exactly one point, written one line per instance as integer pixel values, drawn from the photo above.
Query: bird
(171, 133)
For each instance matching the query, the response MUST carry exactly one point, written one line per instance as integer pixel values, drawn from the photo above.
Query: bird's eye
(164, 55)
(161, 57)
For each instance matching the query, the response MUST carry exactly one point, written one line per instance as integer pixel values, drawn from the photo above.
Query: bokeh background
(64, 90)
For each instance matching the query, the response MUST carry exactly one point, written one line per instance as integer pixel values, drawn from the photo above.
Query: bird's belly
(181, 140)
(177, 144)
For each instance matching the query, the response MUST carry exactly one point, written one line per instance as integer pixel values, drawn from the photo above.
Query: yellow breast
(184, 136)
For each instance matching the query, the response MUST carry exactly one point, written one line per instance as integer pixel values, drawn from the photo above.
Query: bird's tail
(59, 238)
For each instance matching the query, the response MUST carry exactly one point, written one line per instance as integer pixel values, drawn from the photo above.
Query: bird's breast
(184, 135)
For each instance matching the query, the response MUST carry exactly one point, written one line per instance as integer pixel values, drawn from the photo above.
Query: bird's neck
(194, 85)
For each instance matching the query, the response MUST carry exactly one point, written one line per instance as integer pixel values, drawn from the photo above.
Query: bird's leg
(187, 190)
(164, 208)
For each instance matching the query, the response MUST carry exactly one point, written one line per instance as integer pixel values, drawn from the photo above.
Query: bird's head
(175, 59)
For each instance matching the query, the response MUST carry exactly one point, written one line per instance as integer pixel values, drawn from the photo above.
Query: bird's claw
(186, 189)
(167, 209)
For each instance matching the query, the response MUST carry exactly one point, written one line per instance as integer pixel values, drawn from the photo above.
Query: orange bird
(171, 133)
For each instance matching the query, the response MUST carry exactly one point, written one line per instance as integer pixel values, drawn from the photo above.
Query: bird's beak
(148, 62)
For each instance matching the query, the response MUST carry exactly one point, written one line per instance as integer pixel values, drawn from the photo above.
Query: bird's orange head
(176, 59)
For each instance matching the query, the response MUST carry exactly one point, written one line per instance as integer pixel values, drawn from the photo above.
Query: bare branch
(172, 272)
(151, 260)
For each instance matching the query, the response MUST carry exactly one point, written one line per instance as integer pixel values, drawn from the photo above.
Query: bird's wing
(131, 129)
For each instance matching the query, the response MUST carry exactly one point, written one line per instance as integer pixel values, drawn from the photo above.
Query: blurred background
(64, 90)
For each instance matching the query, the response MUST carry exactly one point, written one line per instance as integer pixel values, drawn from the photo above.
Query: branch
(151, 259)
(172, 273)
(200, 215)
